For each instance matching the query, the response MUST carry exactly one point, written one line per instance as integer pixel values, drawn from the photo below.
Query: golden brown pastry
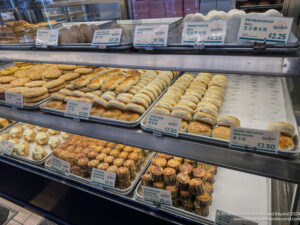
(199, 128)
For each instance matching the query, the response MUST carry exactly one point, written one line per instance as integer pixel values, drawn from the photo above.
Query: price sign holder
(79, 110)
(160, 124)
(103, 178)
(254, 140)
(110, 37)
(223, 218)
(200, 34)
(6, 147)
(60, 166)
(45, 38)
(265, 29)
(14, 99)
(157, 196)
(151, 35)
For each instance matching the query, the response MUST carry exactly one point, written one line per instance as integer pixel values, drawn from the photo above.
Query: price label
(47, 38)
(269, 29)
(151, 35)
(157, 196)
(252, 139)
(207, 33)
(103, 178)
(60, 165)
(14, 99)
(163, 124)
(6, 147)
(107, 37)
(80, 110)
(8, 16)
(223, 218)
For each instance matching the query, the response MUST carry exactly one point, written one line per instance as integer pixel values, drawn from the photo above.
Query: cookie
(35, 75)
(36, 99)
(66, 67)
(35, 92)
(51, 90)
(54, 83)
(83, 70)
(4, 87)
(20, 82)
(21, 73)
(36, 83)
(51, 74)
(20, 90)
(70, 76)
(6, 79)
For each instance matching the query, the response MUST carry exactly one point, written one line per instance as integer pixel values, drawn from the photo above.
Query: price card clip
(149, 47)
(199, 45)
(76, 119)
(156, 133)
(260, 45)
(102, 46)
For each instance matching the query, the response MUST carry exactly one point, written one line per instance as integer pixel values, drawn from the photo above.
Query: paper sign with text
(151, 35)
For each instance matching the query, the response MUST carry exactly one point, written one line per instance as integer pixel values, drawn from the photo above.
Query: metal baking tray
(43, 108)
(268, 100)
(31, 146)
(26, 105)
(4, 128)
(20, 46)
(113, 190)
(228, 197)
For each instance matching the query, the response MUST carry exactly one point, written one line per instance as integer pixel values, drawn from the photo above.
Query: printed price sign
(252, 139)
(223, 218)
(60, 166)
(47, 38)
(8, 16)
(107, 37)
(151, 35)
(6, 147)
(163, 124)
(157, 196)
(269, 29)
(80, 110)
(14, 99)
(103, 178)
(207, 33)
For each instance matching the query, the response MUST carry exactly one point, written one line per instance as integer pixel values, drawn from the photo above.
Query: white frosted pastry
(29, 135)
(214, 17)
(188, 18)
(198, 17)
(41, 138)
(21, 149)
(54, 142)
(38, 152)
(223, 14)
(211, 13)
(272, 12)
(233, 11)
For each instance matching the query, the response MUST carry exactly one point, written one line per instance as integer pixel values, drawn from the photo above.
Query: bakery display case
(77, 140)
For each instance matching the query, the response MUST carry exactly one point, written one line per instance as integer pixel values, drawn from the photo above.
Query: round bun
(221, 132)
(206, 118)
(286, 143)
(282, 127)
(229, 121)
(199, 128)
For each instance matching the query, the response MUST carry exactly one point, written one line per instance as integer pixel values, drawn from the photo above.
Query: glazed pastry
(203, 200)
(156, 173)
(131, 167)
(196, 186)
(123, 174)
(41, 138)
(159, 161)
(200, 173)
(22, 149)
(186, 169)
(92, 164)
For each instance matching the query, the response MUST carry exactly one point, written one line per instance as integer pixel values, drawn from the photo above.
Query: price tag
(8, 16)
(157, 196)
(47, 38)
(163, 124)
(103, 178)
(207, 33)
(14, 99)
(269, 29)
(60, 166)
(107, 37)
(80, 110)
(6, 147)
(252, 139)
(151, 35)
(223, 218)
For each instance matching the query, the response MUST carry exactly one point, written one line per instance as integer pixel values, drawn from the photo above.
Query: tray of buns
(120, 96)
(36, 81)
(84, 154)
(231, 42)
(210, 104)
(198, 190)
(33, 144)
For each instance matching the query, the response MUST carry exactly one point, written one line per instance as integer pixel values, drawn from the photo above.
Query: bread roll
(282, 127)
(199, 128)
(229, 121)
(206, 118)
(221, 132)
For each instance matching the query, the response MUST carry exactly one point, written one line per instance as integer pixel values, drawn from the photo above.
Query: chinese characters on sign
(151, 35)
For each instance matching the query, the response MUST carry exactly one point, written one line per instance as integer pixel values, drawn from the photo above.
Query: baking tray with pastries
(119, 96)
(32, 144)
(209, 105)
(37, 81)
(21, 32)
(4, 123)
(84, 154)
(191, 183)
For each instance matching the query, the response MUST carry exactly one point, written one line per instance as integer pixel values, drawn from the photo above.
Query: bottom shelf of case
(234, 192)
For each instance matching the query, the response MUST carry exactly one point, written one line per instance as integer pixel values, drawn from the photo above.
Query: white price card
(103, 178)
(80, 110)
(252, 139)
(60, 165)
(157, 196)
(6, 147)
(163, 124)
(107, 37)
(14, 99)
(223, 218)
(46, 38)
(265, 29)
(151, 35)
(207, 33)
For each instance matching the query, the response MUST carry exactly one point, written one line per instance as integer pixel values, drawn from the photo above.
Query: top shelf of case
(230, 63)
